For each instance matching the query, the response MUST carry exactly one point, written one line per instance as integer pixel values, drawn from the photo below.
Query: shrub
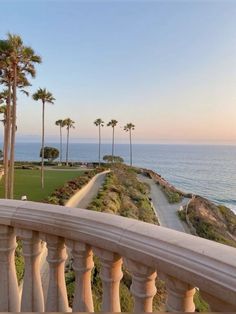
(182, 215)
(50, 153)
(62, 194)
(19, 262)
(173, 197)
(115, 159)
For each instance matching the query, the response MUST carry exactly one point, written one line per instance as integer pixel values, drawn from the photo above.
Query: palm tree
(46, 97)
(129, 127)
(3, 110)
(60, 124)
(16, 62)
(6, 96)
(112, 123)
(69, 124)
(99, 123)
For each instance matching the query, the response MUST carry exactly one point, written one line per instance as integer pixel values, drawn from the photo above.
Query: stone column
(143, 286)
(82, 265)
(111, 274)
(57, 295)
(32, 294)
(9, 292)
(179, 295)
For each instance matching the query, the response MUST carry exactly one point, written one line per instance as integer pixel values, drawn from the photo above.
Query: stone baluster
(143, 286)
(217, 305)
(57, 295)
(9, 292)
(32, 294)
(82, 265)
(111, 274)
(179, 295)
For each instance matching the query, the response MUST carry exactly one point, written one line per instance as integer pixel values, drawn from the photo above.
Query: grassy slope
(212, 222)
(27, 182)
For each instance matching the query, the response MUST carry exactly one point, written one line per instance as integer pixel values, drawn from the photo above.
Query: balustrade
(111, 275)
(9, 294)
(32, 295)
(82, 265)
(182, 261)
(143, 286)
(57, 295)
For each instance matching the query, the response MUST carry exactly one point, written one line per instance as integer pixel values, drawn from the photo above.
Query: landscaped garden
(27, 182)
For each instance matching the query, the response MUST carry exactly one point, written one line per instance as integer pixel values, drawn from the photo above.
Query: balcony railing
(182, 261)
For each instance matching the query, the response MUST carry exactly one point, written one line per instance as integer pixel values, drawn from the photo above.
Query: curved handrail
(206, 264)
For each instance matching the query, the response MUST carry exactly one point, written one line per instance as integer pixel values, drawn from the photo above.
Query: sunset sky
(167, 66)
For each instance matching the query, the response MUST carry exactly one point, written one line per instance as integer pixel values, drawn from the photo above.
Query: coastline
(204, 170)
(203, 217)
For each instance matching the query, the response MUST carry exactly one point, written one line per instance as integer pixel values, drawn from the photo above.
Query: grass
(172, 196)
(65, 167)
(27, 182)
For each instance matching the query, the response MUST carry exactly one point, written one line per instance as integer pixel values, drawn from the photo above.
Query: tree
(3, 111)
(50, 153)
(129, 127)
(110, 158)
(99, 123)
(112, 123)
(16, 62)
(46, 97)
(69, 124)
(60, 124)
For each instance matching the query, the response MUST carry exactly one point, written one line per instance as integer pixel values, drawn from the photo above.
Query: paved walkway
(92, 192)
(166, 212)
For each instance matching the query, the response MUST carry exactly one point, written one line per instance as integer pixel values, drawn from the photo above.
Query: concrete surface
(166, 212)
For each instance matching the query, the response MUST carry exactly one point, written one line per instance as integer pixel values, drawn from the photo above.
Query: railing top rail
(197, 261)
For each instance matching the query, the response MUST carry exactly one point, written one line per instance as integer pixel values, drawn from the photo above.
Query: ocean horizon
(206, 170)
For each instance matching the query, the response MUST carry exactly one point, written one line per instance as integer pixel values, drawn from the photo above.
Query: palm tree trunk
(42, 158)
(13, 135)
(7, 142)
(99, 146)
(113, 136)
(67, 146)
(130, 141)
(60, 145)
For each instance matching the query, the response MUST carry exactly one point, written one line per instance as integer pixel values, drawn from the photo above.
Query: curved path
(92, 191)
(166, 212)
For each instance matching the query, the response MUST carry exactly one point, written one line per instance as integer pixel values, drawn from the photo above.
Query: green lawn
(27, 182)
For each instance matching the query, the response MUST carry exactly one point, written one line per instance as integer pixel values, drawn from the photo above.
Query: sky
(169, 67)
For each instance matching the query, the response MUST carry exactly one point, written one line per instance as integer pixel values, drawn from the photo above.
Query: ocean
(209, 171)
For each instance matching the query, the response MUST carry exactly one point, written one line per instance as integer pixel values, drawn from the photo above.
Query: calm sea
(209, 171)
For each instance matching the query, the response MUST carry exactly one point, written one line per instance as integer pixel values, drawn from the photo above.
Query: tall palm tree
(129, 127)
(3, 110)
(16, 62)
(69, 124)
(112, 123)
(60, 124)
(98, 122)
(46, 97)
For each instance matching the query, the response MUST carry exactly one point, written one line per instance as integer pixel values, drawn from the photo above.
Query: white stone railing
(182, 261)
